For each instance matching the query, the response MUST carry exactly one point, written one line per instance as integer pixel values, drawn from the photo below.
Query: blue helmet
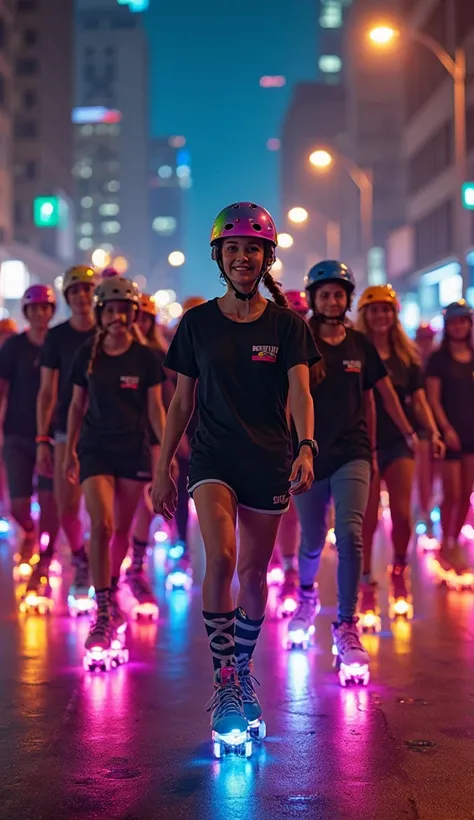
(329, 270)
(460, 308)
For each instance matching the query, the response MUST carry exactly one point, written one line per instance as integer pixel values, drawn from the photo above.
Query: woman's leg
(312, 509)
(143, 519)
(369, 526)
(99, 497)
(451, 480)
(127, 496)
(467, 480)
(68, 500)
(424, 471)
(350, 487)
(399, 480)
(48, 522)
(289, 536)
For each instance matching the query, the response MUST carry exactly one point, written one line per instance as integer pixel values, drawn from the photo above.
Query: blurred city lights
(285, 240)
(58, 283)
(100, 258)
(175, 310)
(120, 264)
(273, 144)
(177, 142)
(176, 259)
(272, 81)
(140, 282)
(320, 159)
(164, 297)
(382, 35)
(298, 215)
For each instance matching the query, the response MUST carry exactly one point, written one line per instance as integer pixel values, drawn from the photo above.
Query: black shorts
(456, 455)
(386, 457)
(19, 455)
(264, 496)
(135, 465)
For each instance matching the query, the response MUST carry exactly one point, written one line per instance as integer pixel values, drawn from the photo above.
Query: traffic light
(46, 211)
(467, 195)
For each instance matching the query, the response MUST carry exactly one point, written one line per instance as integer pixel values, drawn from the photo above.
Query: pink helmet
(38, 295)
(297, 301)
(107, 273)
(425, 332)
(244, 219)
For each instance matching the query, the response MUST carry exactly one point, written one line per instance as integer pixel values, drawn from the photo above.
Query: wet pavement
(134, 744)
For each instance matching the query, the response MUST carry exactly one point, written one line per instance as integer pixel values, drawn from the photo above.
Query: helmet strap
(330, 320)
(243, 297)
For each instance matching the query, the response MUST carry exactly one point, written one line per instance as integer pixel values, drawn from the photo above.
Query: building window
(87, 202)
(434, 235)
(113, 186)
(26, 129)
(26, 68)
(330, 64)
(30, 37)
(164, 225)
(110, 227)
(29, 98)
(86, 243)
(432, 159)
(331, 14)
(109, 209)
(86, 229)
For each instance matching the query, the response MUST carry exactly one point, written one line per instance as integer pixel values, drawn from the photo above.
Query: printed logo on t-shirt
(264, 353)
(129, 382)
(352, 365)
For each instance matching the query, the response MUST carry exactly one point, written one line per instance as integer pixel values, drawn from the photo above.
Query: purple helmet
(38, 295)
(108, 273)
(244, 219)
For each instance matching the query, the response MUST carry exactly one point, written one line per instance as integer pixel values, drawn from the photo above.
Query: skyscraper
(111, 132)
(331, 62)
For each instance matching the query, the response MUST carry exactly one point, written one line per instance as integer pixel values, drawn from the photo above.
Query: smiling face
(459, 328)
(380, 317)
(80, 297)
(242, 260)
(117, 317)
(331, 300)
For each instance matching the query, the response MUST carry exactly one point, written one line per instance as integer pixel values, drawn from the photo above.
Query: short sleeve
(50, 353)
(415, 379)
(374, 368)
(155, 374)
(181, 355)
(6, 360)
(78, 374)
(300, 347)
(434, 367)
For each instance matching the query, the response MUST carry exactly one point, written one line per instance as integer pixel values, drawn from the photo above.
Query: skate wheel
(342, 678)
(85, 663)
(365, 679)
(217, 749)
(22, 607)
(107, 664)
(248, 748)
(304, 646)
(125, 656)
(262, 730)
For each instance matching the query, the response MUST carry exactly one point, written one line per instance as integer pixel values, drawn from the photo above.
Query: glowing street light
(176, 259)
(285, 240)
(298, 215)
(383, 35)
(321, 158)
(100, 258)
(120, 264)
(277, 269)
(175, 310)
(162, 298)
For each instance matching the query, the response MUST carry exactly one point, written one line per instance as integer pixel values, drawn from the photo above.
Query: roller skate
(350, 658)
(181, 575)
(453, 568)
(80, 598)
(105, 648)
(117, 618)
(176, 552)
(301, 627)
(426, 538)
(288, 594)
(144, 604)
(25, 558)
(369, 612)
(400, 603)
(275, 574)
(251, 703)
(37, 598)
(230, 730)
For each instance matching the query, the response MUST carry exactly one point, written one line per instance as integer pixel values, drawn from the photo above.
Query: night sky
(206, 59)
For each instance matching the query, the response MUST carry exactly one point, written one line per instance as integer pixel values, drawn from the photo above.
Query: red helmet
(297, 301)
(425, 333)
(38, 295)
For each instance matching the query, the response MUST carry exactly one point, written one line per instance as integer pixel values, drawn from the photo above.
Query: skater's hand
(438, 447)
(44, 460)
(71, 468)
(451, 438)
(164, 495)
(412, 441)
(302, 474)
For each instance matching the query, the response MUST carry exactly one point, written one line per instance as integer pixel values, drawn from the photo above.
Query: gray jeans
(349, 487)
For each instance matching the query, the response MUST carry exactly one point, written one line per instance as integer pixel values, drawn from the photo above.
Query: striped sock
(246, 635)
(139, 551)
(220, 629)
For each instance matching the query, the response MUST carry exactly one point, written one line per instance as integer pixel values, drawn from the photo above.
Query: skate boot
(144, 604)
(400, 601)
(37, 598)
(288, 594)
(350, 658)
(455, 571)
(25, 558)
(230, 732)
(81, 594)
(301, 627)
(117, 618)
(181, 575)
(105, 648)
(369, 612)
(251, 703)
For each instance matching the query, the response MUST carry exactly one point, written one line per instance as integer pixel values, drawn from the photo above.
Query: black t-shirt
(117, 414)
(20, 367)
(406, 381)
(351, 367)
(59, 350)
(457, 391)
(242, 391)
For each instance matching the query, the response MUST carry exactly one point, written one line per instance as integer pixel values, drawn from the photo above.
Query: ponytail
(275, 289)
(96, 348)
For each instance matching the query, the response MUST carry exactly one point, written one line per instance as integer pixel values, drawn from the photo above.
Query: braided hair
(97, 345)
(275, 289)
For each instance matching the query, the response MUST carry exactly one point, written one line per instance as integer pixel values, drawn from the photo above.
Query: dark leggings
(182, 510)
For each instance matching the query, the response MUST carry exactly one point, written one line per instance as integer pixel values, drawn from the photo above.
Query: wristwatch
(311, 443)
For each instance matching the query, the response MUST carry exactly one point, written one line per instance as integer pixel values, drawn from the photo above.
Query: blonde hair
(400, 344)
(99, 339)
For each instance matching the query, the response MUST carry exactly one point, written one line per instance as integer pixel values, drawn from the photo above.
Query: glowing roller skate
(143, 603)
(80, 599)
(350, 658)
(251, 703)
(275, 575)
(37, 598)
(180, 576)
(5, 528)
(426, 538)
(301, 628)
(287, 602)
(25, 560)
(452, 568)
(230, 729)
(400, 603)
(105, 648)
(369, 612)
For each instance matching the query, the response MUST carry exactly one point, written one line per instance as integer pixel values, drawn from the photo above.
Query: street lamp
(176, 259)
(384, 35)
(300, 216)
(285, 240)
(322, 159)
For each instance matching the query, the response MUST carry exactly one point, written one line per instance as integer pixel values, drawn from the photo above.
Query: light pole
(300, 216)
(456, 68)
(362, 178)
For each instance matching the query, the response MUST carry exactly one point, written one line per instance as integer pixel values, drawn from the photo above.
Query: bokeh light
(176, 259)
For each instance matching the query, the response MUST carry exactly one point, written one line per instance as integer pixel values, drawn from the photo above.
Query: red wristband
(42, 440)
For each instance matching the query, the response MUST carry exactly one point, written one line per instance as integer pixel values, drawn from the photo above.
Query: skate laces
(101, 627)
(347, 638)
(139, 583)
(246, 679)
(306, 607)
(227, 697)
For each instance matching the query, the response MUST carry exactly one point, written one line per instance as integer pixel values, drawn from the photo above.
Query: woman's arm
(394, 408)
(46, 401)
(75, 416)
(426, 418)
(156, 411)
(302, 410)
(433, 391)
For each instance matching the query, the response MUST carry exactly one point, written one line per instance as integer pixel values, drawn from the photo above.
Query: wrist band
(42, 440)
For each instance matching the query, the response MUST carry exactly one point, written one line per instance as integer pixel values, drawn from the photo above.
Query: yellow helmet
(147, 304)
(378, 293)
(79, 273)
(192, 301)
